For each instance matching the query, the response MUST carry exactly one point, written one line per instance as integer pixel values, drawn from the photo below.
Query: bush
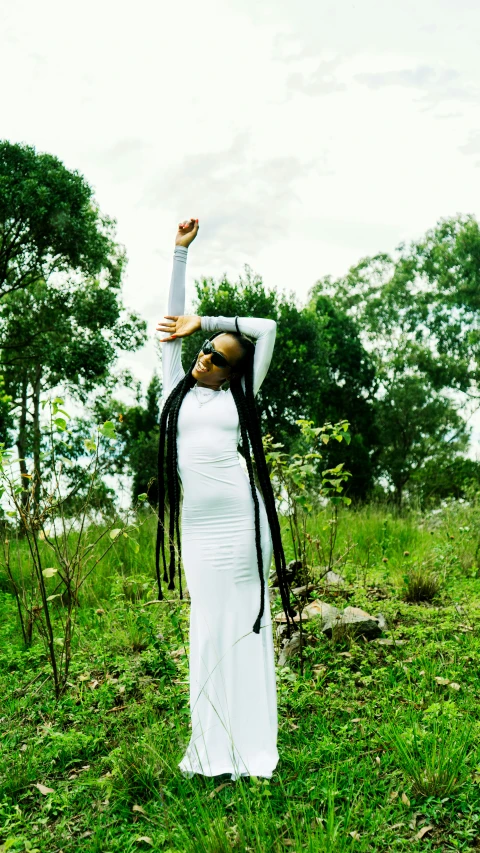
(421, 584)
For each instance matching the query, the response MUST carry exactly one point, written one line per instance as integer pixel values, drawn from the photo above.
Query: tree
(136, 448)
(418, 315)
(6, 419)
(49, 222)
(456, 478)
(423, 431)
(317, 351)
(347, 394)
(65, 335)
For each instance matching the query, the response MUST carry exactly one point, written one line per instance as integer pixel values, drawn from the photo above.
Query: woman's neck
(202, 385)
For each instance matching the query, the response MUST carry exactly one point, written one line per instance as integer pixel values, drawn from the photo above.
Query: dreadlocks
(251, 440)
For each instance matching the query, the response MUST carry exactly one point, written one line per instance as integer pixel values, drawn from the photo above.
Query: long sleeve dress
(233, 700)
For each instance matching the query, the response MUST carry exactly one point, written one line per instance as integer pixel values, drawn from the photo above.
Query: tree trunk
(36, 432)
(22, 443)
(399, 495)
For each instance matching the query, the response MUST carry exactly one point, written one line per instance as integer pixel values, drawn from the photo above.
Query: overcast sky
(303, 135)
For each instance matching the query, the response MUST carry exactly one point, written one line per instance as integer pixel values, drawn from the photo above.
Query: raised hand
(178, 326)
(187, 231)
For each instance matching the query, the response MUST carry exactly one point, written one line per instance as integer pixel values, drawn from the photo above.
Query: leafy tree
(65, 335)
(418, 316)
(6, 419)
(62, 321)
(49, 222)
(455, 478)
(320, 369)
(424, 431)
(347, 394)
(136, 448)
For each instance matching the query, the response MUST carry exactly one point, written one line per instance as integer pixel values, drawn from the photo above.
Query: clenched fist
(187, 231)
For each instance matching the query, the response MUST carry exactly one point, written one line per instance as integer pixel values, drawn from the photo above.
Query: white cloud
(246, 200)
(321, 82)
(473, 144)
(436, 84)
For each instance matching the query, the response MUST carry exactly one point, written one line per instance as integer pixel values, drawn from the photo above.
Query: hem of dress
(187, 771)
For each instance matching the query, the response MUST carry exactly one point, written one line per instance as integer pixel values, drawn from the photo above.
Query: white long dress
(233, 700)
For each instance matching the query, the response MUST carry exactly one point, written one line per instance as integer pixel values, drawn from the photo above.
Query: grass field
(379, 744)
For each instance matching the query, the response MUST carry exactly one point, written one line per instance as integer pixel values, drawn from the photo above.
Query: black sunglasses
(217, 358)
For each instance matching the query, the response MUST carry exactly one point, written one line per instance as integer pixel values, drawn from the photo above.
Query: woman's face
(207, 373)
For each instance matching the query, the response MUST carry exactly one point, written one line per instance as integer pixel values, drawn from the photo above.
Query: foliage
(68, 337)
(136, 449)
(50, 223)
(421, 583)
(423, 430)
(62, 322)
(434, 755)
(106, 753)
(300, 486)
(6, 419)
(319, 370)
(38, 514)
(418, 316)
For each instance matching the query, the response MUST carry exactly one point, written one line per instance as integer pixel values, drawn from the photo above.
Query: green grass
(376, 742)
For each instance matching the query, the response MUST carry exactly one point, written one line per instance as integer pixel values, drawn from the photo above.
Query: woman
(228, 531)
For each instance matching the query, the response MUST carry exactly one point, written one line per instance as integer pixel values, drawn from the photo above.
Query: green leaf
(142, 497)
(108, 430)
(90, 445)
(49, 573)
(114, 533)
(60, 424)
(65, 461)
(51, 597)
(8, 843)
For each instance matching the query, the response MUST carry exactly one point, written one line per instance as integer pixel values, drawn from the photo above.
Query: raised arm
(172, 369)
(176, 325)
(263, 332)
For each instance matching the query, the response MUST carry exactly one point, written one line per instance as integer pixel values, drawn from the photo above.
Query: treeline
(392, 346)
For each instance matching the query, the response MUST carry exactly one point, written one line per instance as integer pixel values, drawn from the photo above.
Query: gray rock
(314, 609)
(289, 648)
(325, 611)
(303, 590)
(281, 630)
(356, 621)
